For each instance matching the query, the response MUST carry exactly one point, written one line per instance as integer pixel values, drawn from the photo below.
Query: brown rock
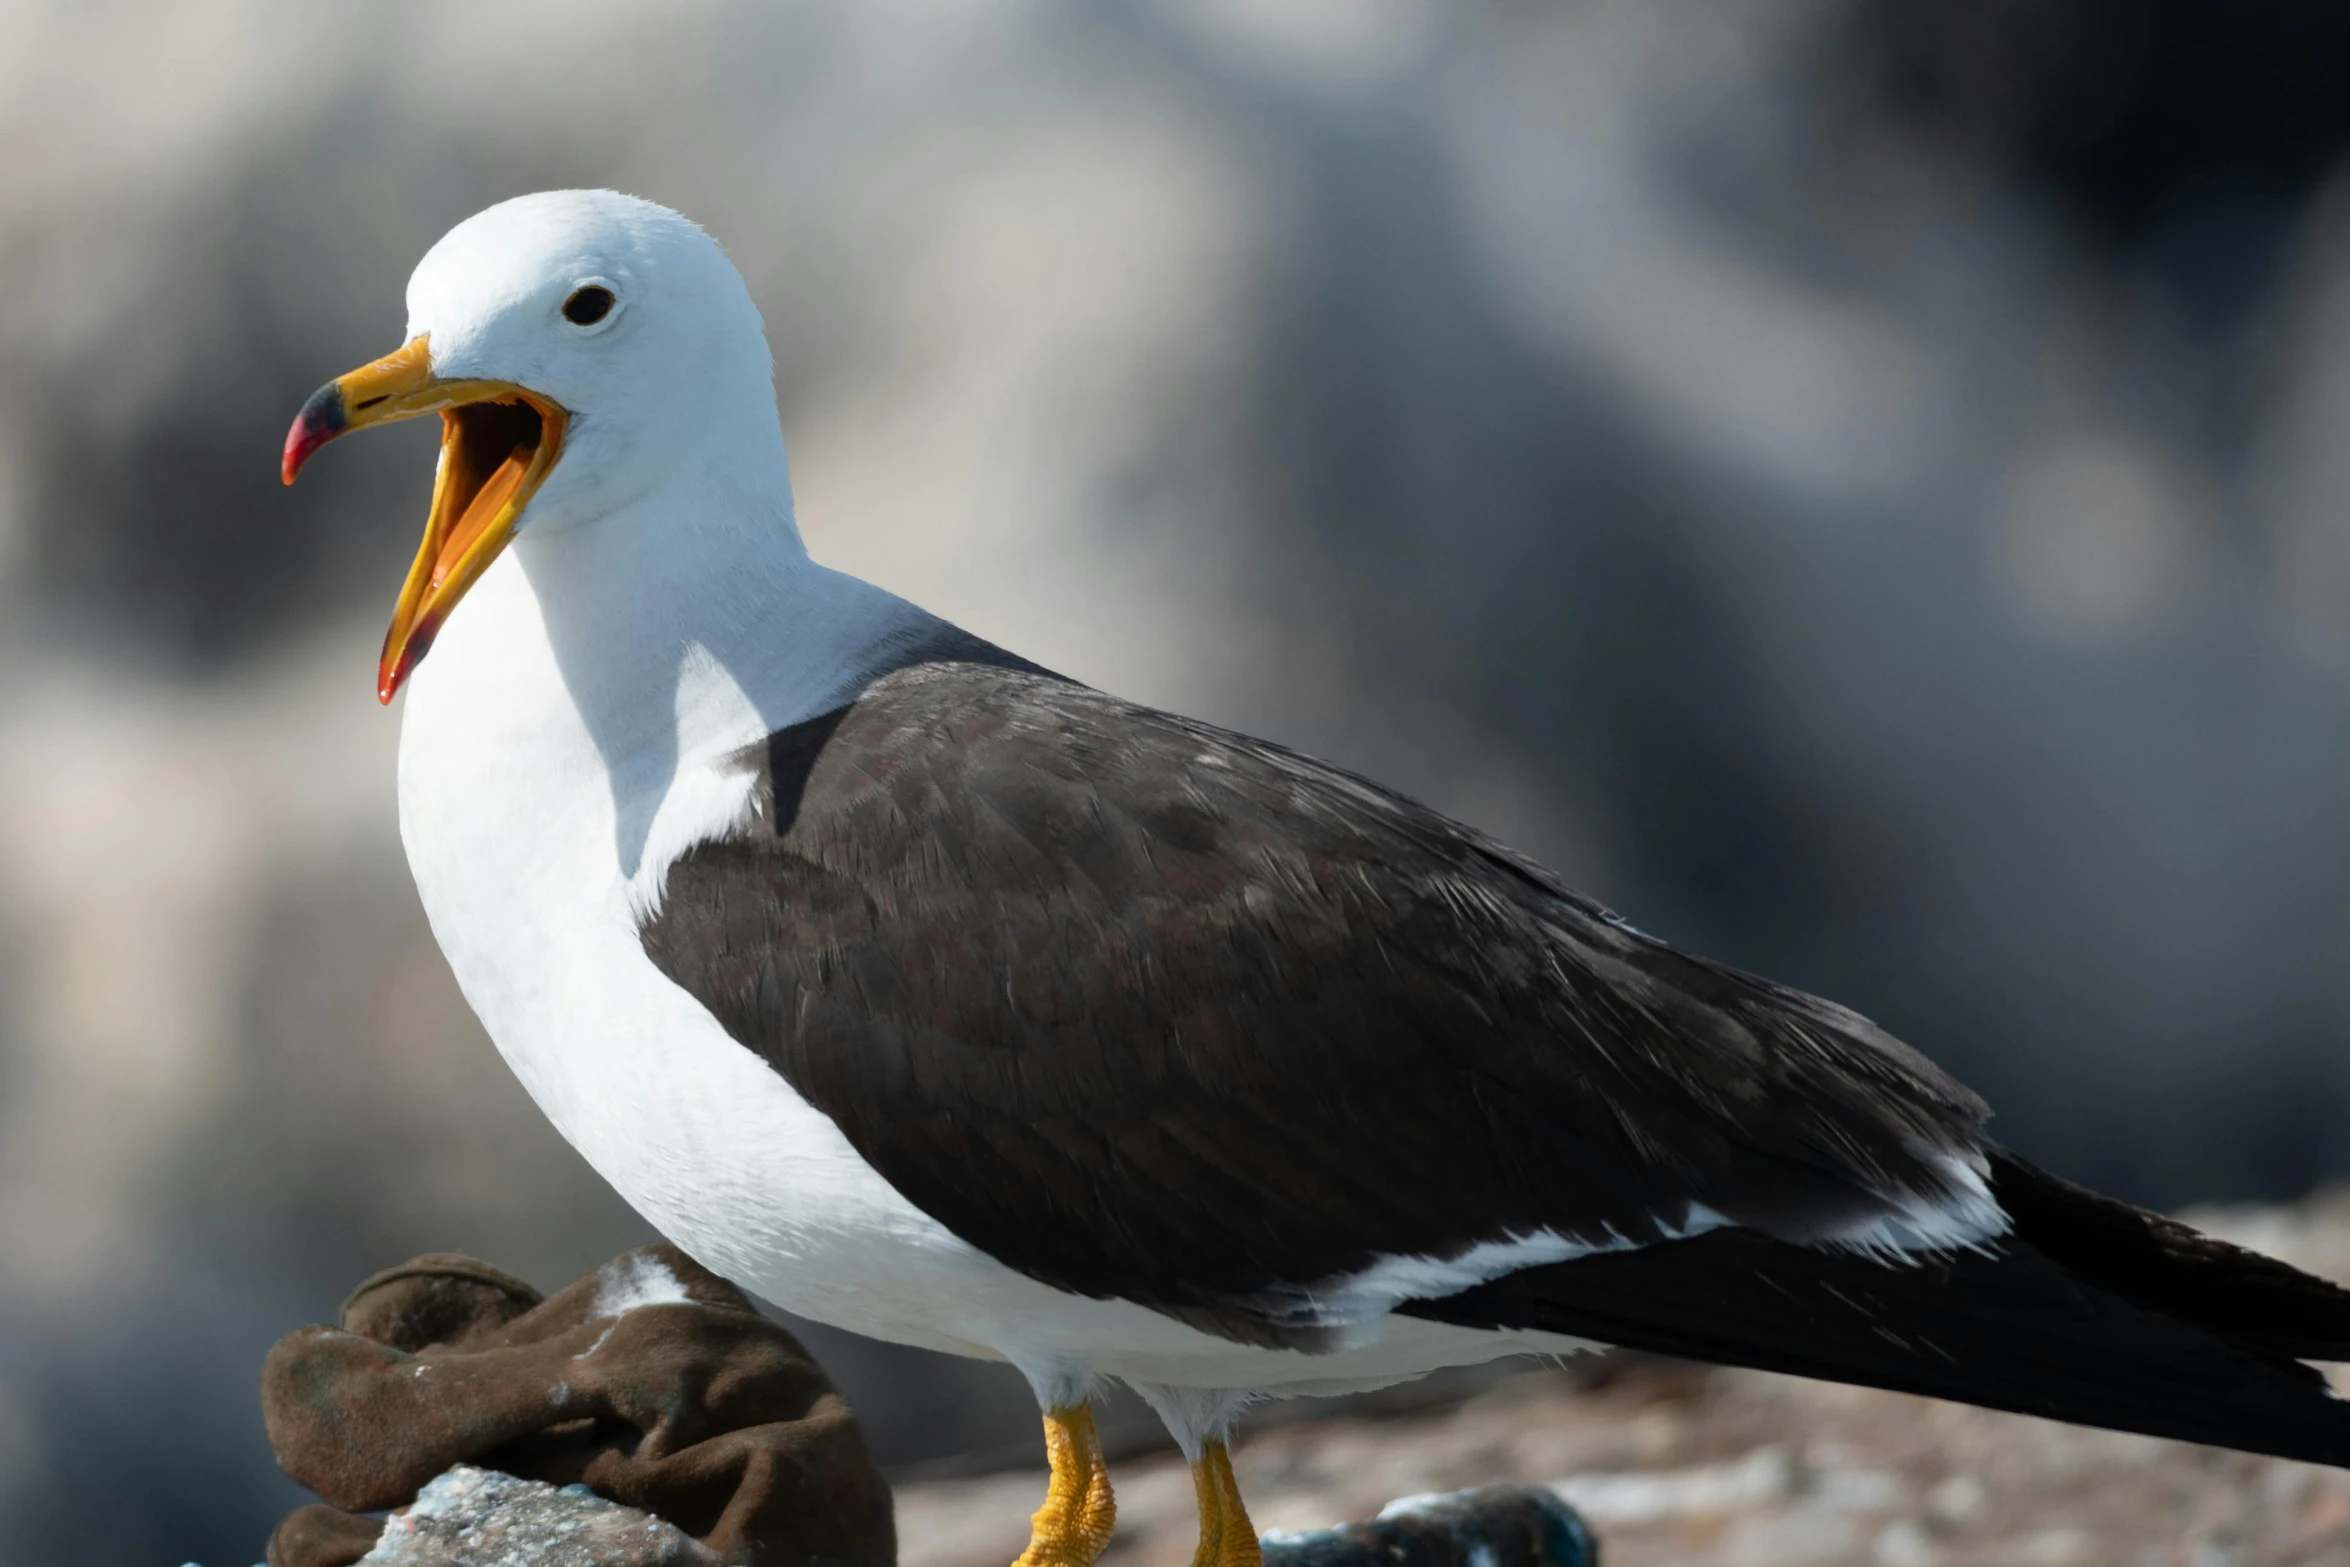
(652, 1381)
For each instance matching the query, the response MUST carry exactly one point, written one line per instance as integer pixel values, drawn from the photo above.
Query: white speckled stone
(480, 1518)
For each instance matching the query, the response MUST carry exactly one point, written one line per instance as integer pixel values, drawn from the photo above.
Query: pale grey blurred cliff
(1861, 486)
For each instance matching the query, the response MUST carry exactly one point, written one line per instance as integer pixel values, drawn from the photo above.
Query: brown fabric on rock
(652, 1381)
(321, 1537)
(441, 1297)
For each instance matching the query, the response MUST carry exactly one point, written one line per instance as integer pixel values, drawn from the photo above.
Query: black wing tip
(2242, 1295)
(2017, 1330)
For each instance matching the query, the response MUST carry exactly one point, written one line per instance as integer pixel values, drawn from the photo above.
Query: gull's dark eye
(588, 305)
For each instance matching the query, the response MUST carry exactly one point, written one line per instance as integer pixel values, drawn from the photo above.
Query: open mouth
(493, 455)
(499, 442)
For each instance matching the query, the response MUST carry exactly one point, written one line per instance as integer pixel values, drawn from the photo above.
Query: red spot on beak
(319, 422)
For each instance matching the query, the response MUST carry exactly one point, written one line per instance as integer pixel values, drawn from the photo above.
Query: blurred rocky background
(1862, 485)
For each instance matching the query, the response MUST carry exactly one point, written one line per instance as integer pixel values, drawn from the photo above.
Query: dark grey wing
(1151, 1010)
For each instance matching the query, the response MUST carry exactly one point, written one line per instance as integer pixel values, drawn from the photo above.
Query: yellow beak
(499, 441)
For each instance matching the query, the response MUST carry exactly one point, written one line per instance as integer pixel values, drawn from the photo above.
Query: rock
(1494, 1526)
(480, 1518)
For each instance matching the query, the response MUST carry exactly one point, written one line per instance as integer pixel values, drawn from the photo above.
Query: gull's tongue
(495, 492)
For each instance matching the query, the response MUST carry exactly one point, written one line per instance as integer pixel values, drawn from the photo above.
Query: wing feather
(1153, 1010)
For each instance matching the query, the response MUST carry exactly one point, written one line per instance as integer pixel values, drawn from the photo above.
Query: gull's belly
(694, 1130)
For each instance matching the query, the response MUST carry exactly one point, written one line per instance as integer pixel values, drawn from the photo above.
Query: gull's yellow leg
(1239, 1547)
(1226, 1537)
(1073, 1526)
(1211, 1512)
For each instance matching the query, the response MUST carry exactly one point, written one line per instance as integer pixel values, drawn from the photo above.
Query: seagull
(941, 997)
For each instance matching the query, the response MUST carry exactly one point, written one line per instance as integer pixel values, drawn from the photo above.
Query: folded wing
(1151, 1010)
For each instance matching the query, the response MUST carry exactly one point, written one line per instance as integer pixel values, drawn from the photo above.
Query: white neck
(679, 628)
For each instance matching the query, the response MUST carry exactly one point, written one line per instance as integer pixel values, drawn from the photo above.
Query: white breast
(508, 815)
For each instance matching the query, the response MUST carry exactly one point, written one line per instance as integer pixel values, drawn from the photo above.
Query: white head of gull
(613, 486)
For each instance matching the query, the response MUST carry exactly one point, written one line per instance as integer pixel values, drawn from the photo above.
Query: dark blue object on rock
(1494, 1526)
